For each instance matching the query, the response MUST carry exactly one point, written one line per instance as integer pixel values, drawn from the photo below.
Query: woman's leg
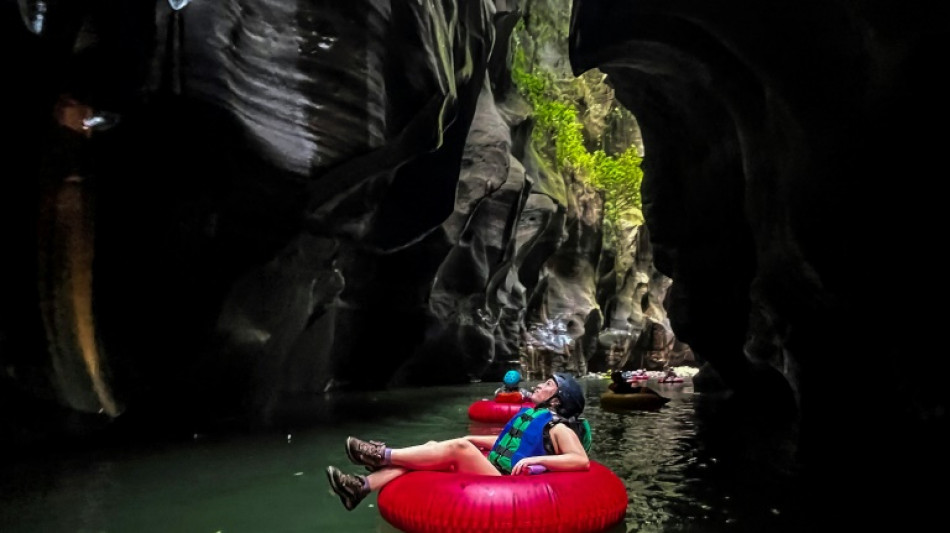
(352, 488)
(458, 455)
(381, 477)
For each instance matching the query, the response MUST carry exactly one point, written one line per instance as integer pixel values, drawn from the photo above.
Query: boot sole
(339, 491)
(349, 451)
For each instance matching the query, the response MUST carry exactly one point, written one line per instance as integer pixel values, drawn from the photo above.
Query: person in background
(511, 391)
(620, 385)
(670, 376)
(549, 436)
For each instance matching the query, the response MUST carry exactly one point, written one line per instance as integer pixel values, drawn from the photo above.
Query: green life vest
(526, 435)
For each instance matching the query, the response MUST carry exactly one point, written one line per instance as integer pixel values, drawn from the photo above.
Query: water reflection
(689, 467)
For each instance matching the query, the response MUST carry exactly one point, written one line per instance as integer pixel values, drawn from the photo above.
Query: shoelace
(368, 448)
(349, 481)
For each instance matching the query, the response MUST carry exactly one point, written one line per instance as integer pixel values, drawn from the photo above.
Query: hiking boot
(347, 486)
(370, 454)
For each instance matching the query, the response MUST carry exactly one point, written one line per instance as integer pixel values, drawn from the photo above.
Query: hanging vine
(618, 176)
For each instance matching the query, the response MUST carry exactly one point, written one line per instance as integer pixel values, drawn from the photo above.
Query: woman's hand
(521, 467)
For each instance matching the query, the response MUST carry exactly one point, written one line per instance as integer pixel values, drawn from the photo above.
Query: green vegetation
(618, 176)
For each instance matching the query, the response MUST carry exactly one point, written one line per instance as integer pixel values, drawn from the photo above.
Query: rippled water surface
(688, 467)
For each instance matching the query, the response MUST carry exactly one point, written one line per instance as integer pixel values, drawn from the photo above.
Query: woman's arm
(569, 453)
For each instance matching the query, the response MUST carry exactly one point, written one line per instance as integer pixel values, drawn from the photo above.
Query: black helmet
(570, 394)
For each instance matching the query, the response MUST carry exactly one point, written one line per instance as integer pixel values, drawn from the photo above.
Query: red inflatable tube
(552, 502)
(509, 397)
(492, 411)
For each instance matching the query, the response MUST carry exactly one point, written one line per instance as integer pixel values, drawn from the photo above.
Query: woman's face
(543, 391)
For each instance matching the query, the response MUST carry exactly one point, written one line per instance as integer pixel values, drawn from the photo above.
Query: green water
(682, 473)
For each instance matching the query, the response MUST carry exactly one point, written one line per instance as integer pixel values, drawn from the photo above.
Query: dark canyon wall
(790, 148)
(247, 201)
(212, 210)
